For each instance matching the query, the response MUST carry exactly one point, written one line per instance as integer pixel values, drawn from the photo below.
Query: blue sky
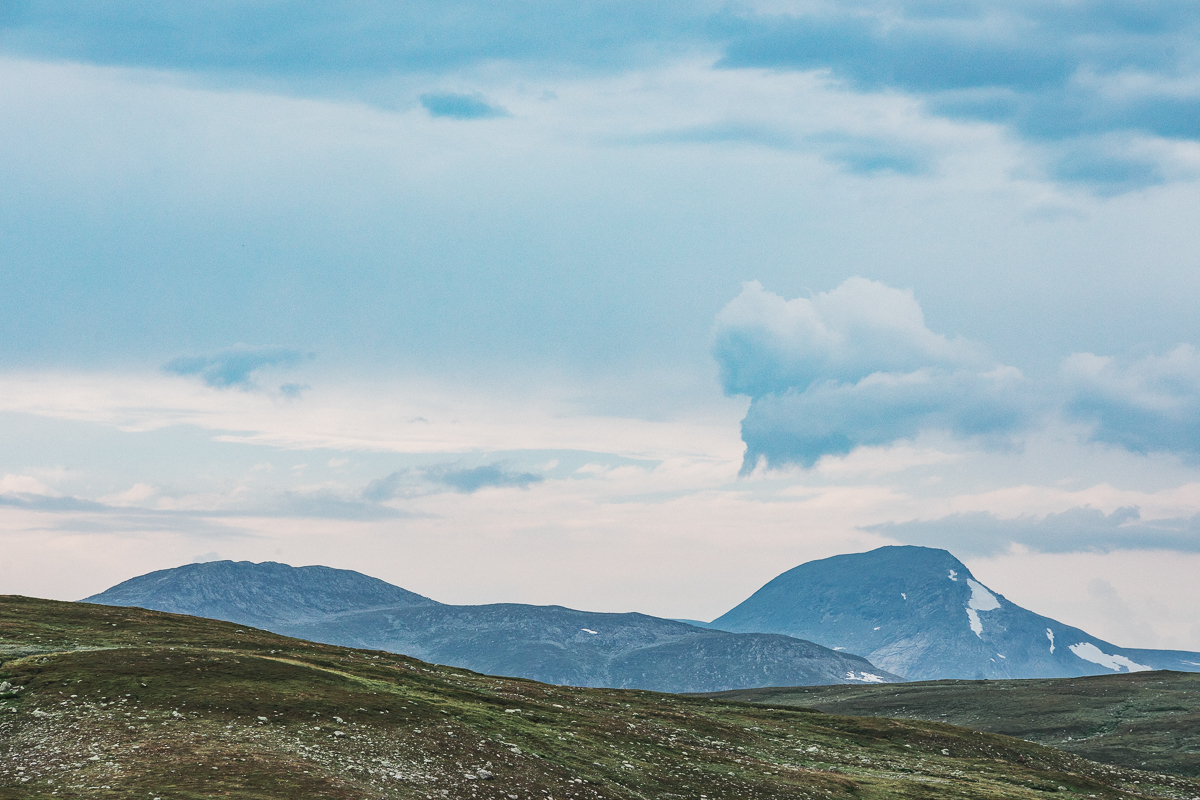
(606, 304)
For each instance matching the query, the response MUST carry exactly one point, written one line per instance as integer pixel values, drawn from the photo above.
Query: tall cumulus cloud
(855, 366)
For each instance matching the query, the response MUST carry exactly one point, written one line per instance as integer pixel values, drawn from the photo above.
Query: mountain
(545, 643)
(581, 648)
(103, 703)
(918, 612)
(260, 595)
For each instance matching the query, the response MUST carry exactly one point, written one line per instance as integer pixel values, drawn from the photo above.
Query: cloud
(1082, 529)
(854, 366)
(864, 155)
(486, 476)
(1148, 405)
(1052, 72)
(765, 344)
(1059, 73)
(105, 517)
(800, 426)
(44, 502)
(348, 38)
(439, 477)
(317, 504)
(235, 367)
(460, 106)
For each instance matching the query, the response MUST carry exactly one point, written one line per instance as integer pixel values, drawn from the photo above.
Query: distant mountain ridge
(920, 613)
(546, 643)
(259, 595)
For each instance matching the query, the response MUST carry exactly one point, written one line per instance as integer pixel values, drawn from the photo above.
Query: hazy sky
(615, 305)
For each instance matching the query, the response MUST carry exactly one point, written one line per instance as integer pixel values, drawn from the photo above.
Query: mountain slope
(546, 643)
(257, 594)
(121, 703)
(580, 648)
(918, 612)
(1149, 720)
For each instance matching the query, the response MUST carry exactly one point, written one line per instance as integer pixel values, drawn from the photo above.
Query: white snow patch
(588, 630)
(981, 598)
(1193, 663)
(1002, 656)
(1050, 636)
(902, 594)
(1089, 652)
(976, 625)
(877, 627)
(953, 575)
(839, 648)
(865, 677)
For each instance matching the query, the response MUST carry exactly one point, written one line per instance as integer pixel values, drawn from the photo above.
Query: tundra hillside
(111, 702)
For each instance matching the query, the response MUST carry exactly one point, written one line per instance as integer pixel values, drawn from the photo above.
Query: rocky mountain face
(545, 643)
(919, 612)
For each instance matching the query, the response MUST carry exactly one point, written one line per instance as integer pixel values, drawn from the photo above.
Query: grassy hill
(124, 703)
(1141, 719)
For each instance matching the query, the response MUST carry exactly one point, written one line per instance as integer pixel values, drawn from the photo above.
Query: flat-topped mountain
(260, 595)
(545, 643)
(920, 613)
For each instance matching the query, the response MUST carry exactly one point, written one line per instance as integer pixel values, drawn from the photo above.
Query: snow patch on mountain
(953, 575)
(981, 600)
(1050, 636)
(1089, 652)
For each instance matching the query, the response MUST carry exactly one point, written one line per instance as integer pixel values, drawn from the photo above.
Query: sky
(613, 305)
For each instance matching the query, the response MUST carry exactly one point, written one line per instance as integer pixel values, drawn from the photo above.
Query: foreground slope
(919, 612)
(124, 703)
(1142, 719)
(545, 643)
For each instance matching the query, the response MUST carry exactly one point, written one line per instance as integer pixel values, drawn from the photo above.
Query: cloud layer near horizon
(1075, 530)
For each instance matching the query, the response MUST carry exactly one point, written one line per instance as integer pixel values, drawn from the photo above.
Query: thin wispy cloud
(460, 106)
(448, 477)
(236, 367)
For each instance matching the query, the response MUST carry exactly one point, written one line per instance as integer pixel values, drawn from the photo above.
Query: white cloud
(855, 367)
(1148, 405)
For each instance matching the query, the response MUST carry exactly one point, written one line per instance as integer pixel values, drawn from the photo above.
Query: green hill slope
(124, 703)
(1140, 719)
